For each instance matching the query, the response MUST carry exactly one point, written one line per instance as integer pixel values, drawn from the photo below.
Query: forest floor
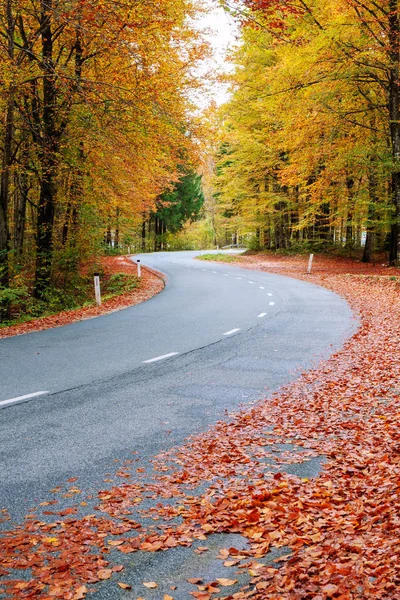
(339, 531)
(148, 286)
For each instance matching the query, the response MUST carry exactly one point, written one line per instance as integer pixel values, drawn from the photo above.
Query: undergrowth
(20, 306)
(227, 258)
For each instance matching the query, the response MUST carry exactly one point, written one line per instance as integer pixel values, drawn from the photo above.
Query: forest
(97, 132)
(308, 146)
(104, 150)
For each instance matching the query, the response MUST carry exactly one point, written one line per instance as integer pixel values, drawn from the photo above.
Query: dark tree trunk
(46, 209)
(164, 231)
(76, 192)
(108, 236)
(7, 155)
(157, 234)
(349, 221)
(5, 190)
(20, 213)
(116, 236)
(373, 197)
(394, 110)
(144, 234)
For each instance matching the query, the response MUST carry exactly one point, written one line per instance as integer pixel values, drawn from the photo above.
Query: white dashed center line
(21, 398)
(269, 294)
(271, 303)
(251, 281)
(231, 331)
(261, 315)
(262, 288)
(239, 277)
(151, 360)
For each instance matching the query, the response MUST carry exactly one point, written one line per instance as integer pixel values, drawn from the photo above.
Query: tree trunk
(394, 110)
(116, 237)
(373, 198)
(20, 213)
(144, 233)
(108, 236)
(7, 155)
(5, 189)
(46, 209)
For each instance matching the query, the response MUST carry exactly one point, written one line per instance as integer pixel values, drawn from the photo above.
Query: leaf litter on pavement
(339, 530)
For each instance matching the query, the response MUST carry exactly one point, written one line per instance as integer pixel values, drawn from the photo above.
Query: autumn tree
(97, 117)
(316, 107)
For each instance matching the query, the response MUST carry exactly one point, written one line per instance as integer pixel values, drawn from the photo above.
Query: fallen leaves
(80, 593)
(340, 529)
(226, 582)
(150, 584)
(104, 573)
(124, 586)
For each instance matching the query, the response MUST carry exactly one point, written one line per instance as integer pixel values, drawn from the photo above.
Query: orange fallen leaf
(104, 573)
(124, 586)
(52, 540)
(115, 542)
(226, 582)
(117, 568)
(80, 593)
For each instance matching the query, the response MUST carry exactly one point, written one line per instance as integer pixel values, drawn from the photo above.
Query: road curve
(203, 303)
(236, 333)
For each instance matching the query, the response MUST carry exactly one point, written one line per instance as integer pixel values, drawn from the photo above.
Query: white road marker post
(310, 263)
(97, 291)
(139, 270)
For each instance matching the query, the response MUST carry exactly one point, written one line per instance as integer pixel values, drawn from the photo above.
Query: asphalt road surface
(146, 377)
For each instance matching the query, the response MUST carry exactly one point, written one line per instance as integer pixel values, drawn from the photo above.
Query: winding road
(144, 378)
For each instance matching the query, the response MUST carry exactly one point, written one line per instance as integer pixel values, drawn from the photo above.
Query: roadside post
(97, 291)
(138, 269)
(310, 264)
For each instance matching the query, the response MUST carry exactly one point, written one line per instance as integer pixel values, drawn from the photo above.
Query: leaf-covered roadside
(150, 284)
(342, 528)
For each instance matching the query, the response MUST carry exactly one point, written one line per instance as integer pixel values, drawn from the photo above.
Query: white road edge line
(231, 331)
(151, 360)
(21, 398)
(262, 315)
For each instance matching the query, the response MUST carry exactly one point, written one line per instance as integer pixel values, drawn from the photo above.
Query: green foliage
(181, 204)
(113, 251)
(10, 296)
(225, 258)
(18, 305)
(119, 283)
(193, 236)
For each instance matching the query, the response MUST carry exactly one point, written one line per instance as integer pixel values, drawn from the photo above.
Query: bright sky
(222, 37)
